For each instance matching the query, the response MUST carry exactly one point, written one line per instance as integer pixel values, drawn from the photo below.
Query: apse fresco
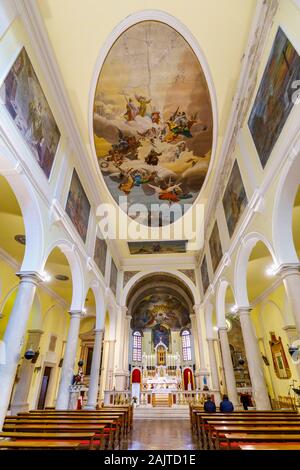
(160, 308)
(153, 120)
(215, 247)
(158, 247)
(235, 199)
(26, 103)
(274, 100)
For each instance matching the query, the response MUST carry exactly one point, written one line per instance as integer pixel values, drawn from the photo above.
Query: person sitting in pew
(226, 405)
(209, 405)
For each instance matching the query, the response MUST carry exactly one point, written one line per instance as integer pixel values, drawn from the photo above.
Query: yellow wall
(269, 316)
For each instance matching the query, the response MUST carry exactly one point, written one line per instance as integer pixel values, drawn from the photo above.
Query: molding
(8, 13)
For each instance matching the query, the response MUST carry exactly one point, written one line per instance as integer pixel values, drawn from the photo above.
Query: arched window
(137, 346)
(186, 345)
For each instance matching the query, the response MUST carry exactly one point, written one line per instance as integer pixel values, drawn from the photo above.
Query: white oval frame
(170, 20)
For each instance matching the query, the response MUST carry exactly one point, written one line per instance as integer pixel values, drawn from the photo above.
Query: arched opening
(273, 324)
(236, 341)
(160, 338)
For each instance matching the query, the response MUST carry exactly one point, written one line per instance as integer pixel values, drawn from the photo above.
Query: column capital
(222, 328)
(98, 330)
(242, 311)
(287, 269)
(124, 309)
(30, 276)
(197, 308)
(76, 313)
(212, 339)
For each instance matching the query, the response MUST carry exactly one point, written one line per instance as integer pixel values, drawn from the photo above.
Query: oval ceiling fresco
(153, 122)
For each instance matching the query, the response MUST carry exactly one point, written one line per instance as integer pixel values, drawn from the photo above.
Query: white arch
(170, 20)
(140, 275)
(68, 249)
(241, 265)
(283, 209)
(11, 169)
(220, 302)
(99, 301)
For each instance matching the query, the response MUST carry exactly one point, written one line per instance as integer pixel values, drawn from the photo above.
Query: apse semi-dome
(153, 120)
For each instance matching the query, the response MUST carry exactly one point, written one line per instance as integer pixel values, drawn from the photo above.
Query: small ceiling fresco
(159, 247)
(152, 121)
(160, 307)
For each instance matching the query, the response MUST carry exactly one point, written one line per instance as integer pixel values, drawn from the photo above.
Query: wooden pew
(75, 436)
(99, 430)
(271, 446)
(251, 437)
(39, 445)
(269, 429)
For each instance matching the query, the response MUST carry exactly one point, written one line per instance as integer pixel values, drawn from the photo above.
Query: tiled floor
(161, 435)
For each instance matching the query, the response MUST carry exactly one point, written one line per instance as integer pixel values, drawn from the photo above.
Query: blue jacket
(226, 406)
(209, 406)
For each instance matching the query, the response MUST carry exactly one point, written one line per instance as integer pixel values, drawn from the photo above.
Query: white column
(110, 364)
(215, 383)
(95, 371)
(20, 401)
(228, 366)
(200, 340)
(68, 361)
(13, 337)
(120, 373)
(126, 348)
(259, 388)
(290, 275)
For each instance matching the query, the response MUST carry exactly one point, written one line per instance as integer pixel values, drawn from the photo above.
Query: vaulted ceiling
(81, 31)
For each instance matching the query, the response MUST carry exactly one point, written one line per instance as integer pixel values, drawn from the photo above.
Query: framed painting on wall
(27, 105)
(215, 247)
(100, 254)
(113, 277)
(280, 362)
(234, 199)
(204, 275)
(276, 96)
(78, 206)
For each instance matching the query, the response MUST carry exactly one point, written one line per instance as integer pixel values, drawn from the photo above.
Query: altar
(161, 372)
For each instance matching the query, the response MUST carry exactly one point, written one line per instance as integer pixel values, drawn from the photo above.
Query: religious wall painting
(152, 120)
(234, 199)
(276, 96)
(78, 206)
(160, 306)
(27, 105)
(204, 275)
(113, 277)
(280, 362)
(160, 334)
(100, 254)
(215, 246)
(157, 247)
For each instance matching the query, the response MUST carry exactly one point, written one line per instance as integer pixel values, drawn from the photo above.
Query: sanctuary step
(162, 400)
(161, 412)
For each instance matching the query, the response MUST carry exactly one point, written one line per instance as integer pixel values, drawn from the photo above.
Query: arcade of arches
(158, 109)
